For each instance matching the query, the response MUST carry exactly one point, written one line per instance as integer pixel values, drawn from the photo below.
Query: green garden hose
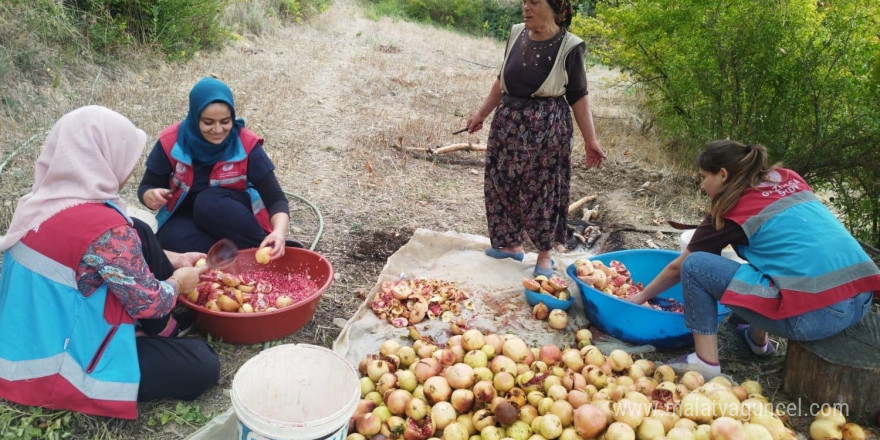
(317, 214)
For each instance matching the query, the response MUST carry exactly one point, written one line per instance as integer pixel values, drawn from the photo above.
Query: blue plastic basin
(634, 323)
(550, 301)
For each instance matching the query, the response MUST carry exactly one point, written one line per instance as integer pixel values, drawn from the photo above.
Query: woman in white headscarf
(76, 277)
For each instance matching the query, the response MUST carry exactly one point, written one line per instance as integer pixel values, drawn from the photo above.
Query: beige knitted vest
(556, 81)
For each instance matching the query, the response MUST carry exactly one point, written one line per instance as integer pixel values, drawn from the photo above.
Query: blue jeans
(705, 276)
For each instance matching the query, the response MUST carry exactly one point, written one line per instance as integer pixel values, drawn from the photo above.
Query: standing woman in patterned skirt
(528, 161)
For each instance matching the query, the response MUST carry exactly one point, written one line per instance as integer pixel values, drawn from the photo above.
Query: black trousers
(216, 213)
(171, 368)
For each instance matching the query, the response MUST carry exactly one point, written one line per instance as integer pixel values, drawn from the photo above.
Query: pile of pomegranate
(555, 287)
(253, 291)
(409, 301)
(614, 279)
(491, 387)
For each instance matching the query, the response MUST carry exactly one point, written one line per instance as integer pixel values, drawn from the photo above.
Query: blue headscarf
(208, 91)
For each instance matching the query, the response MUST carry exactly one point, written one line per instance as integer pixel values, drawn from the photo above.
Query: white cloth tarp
(494, 285)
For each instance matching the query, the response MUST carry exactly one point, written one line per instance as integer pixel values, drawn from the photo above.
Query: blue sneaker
(499, 254)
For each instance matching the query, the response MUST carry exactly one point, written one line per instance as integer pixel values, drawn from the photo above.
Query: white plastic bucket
(295, 392)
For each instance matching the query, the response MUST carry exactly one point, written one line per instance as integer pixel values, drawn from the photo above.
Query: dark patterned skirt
(528, 168)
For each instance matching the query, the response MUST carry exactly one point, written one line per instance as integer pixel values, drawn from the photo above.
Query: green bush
(479, 17)
(178, 28)
(798, 76)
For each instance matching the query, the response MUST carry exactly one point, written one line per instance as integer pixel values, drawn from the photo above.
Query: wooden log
(583, 200)
(842, 369)
(457, 147)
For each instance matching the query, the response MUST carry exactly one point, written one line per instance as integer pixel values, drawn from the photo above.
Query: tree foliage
(799, 76)
(479, 17)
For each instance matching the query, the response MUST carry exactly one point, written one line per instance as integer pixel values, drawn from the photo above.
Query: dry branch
(574, 206)
(457, 147)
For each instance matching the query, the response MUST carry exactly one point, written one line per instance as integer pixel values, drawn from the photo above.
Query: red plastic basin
(250, 328)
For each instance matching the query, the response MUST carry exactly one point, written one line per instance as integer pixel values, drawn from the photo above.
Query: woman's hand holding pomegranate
(639, 298)
(155, 198)
(188, 259)
(187, 278)
(276, 241)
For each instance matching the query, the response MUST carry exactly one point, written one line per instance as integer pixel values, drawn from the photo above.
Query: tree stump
(842, 369)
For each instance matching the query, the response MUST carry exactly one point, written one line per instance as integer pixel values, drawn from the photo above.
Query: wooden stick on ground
(457, 147)
(574, 206)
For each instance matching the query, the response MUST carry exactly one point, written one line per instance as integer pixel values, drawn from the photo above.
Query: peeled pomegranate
(482, 418)
(550, 426)
(619, 360)
(455, 431)
(650, 429)
(416, 409)
(419, 429)
(852, 431)
(376, 368)
(589, 420)
(697, 407)
(620, 431)
(427, 368)
(472, 340)
(756, 432)
(825, 429)
(727, 428)
(462, 400)
(558, 319)
(368, 424)
(437, 389)
(577, 398)
(540, 311)
(460, 376)
(515, 349)
(397, 400)
(571, 357)
(506, 413)
(484, 391)
(503, 382)
(502, 363)
(442, 414)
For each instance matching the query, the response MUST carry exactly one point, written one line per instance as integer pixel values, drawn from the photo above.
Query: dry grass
(335, 100)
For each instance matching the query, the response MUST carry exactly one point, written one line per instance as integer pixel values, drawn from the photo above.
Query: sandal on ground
(547, 272)
(765, 350)
(499, 254)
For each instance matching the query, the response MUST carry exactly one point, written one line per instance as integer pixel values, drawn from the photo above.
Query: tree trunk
(842, 369)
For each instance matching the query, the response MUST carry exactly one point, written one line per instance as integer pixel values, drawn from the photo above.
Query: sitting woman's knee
(204, 372)
(218, 203)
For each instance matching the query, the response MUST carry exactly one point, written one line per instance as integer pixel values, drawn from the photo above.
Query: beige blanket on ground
(494, 285)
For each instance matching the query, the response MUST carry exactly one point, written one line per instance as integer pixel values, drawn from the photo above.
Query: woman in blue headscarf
(209, 178)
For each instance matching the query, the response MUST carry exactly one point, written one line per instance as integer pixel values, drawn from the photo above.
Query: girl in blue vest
(209, 178)
(76, 275)
(805, 278)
